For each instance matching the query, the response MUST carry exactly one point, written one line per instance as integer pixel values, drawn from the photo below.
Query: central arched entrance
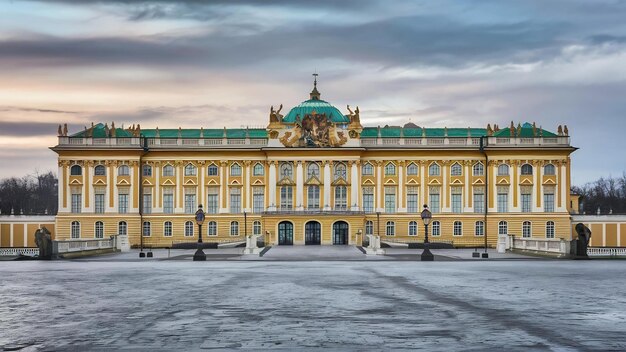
(285, 233)
(340, 232)
(312, 233)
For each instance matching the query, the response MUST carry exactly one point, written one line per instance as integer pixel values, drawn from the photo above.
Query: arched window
(390, 228)
(390, 169)
(503, 228)
(190, 170)
(75, 229)
(436, 231)
(367, 169)
(167, 229)
(526, 229)
(100, 170)
(412, 169)
(256, 227)
(503, 170)
(412, 228)
(146, 170)
(122, 228)
(479, 228)
(212, 228)
(76, 170)
(312, 170)
(549, 170)
(147, 229)
(457, 229)
(234, 228)
(168, 170)
(478, 169)
(123, 170)
(527, 169)
(188, 229)
(434, 170)
(369, 227)
(340, 171)
(286, 171)
(212, 170)
(258, 170)
(235, 170)
(456, 170)
(550, 229)
(99, 229)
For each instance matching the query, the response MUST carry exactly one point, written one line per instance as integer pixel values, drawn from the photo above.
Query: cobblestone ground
(441, 306)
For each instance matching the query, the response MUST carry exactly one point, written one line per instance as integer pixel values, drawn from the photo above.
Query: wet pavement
(528, 305)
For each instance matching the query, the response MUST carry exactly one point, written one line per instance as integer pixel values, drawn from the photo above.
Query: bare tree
(32, 194)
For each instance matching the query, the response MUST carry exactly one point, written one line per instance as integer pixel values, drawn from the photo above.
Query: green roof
(99, 131)
(396, 132)
(320, 107)
(526, 131)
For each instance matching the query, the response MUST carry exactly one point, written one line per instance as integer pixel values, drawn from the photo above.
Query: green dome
(320, 107)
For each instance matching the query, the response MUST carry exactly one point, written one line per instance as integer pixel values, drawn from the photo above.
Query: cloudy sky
(223, 63)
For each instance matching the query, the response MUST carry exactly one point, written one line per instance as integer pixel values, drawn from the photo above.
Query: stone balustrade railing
(161, 142)
(15, 251)
(470, 142)
(550, 245)
(606, 251)
(60, 247)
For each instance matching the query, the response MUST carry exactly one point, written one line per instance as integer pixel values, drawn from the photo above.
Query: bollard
(150, 254)
(142, 254)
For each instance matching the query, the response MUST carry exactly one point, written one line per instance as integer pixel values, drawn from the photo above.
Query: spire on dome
(315, 94)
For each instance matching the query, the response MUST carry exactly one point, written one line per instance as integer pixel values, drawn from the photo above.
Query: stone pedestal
(122, 244)
(251, 247)
(374, 246)
(503, 243)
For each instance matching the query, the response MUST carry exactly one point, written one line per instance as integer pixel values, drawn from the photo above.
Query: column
(445, 202)
(248, 187)
(178, 196)
(379, 186)
(538, 192)
(516, 166)
(354, 186)
(422, 195)
(299, 186)
(62, 187)
(223, 187)
(562, 184)
(272, 187)
(156, 197)
(468, 187)
(134, 187)
(401, 208)
(87, 187)
(201, 187)
(326, 185)
(493, 184)
(114, 204)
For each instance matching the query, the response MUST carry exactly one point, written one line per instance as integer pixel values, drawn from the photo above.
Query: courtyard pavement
(514, 305)
(307, 253)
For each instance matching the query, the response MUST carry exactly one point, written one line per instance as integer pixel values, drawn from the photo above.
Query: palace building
(315, 175)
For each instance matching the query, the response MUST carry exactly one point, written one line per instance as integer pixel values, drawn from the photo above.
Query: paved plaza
(518, 305)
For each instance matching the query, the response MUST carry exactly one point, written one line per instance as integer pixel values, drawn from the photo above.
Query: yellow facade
(314, 165)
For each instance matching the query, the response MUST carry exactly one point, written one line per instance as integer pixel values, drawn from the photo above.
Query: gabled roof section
(524, 131)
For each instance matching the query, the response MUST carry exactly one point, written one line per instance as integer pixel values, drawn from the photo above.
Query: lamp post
(426, 218)
(199, 255)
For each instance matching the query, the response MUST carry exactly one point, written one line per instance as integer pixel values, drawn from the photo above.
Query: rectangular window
(147, 203)
(480, 228)
(435, 205)
(526, 202)
(390, 199)
(341, 197)
(548, 203)
(99, 200)
(122, 203)
(412, 201)
(235, 200)
(313, 197)
(146, 229)
(503, 199)
(190, 203)
(168, 201)
(258, 199)
(368, 199)
(212, 203)
(286, 197)
(457, 199)
(479, 200)
(77, 203)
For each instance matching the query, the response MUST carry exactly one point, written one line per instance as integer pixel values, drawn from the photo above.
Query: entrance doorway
(312, 233)
(340, 232)
(285, 233)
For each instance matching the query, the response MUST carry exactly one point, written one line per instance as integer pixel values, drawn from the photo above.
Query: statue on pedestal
(43, 240)
(584, 235)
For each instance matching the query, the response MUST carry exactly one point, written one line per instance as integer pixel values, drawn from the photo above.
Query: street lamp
(199, 255)
(426, 218)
